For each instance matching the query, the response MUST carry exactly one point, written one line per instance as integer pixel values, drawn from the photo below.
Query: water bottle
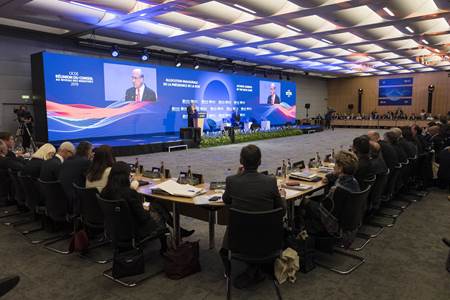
(283, 169)
(162, 170)
(289, 165)
(189, 173)
(332, 159)
(136, 166)
(318, 160)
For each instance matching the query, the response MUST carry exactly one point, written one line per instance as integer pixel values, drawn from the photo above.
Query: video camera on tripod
(24, 120)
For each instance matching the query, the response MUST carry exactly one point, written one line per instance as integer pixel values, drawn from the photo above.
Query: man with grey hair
(51, 168)
(139, 92)
(389, 154)
(273, 97)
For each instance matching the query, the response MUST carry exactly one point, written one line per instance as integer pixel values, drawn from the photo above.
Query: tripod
(23, 129)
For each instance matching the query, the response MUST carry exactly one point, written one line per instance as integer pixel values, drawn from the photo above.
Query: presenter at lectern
(139, 92)
(192, 115)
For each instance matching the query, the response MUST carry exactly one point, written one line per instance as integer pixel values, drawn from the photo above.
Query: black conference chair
(7, 201)
(254, 237)
(348, 209)
(92, 219)
(35, 203)
(24, 216)
(120, 229)
(57, 210)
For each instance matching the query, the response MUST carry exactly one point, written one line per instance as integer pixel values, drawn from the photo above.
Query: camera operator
(25, 120)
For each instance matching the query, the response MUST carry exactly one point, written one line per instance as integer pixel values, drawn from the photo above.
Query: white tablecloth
(265, 125)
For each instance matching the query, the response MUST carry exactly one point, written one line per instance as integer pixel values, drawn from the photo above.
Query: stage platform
(143, 144)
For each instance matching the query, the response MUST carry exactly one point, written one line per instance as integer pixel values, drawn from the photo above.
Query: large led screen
(90, 97)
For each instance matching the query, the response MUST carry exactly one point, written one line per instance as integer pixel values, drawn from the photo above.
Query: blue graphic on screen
(92, 97)
(395, 91)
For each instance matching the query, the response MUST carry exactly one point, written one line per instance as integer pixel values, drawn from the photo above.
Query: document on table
(173, 188)
(204, 199)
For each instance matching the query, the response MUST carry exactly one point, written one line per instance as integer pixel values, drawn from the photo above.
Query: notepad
(204, 199)
(173, 188)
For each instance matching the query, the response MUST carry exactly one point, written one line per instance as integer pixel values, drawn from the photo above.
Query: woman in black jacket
(118, 187)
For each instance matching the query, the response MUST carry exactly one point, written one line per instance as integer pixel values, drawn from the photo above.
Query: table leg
(176, 223)
(212, 223)
(290, 213)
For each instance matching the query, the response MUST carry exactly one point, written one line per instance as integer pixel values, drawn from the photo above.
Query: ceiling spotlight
(145, 55)
(115, 51)
(196, 65)
(388, 11)
(220, 68)
(409, 29)
(326, 41)
(244, 8)
(178, 63)
(253, 72)
(265, 74)
(288, 77)
(233, 70)
(280, 76)
(425, 42)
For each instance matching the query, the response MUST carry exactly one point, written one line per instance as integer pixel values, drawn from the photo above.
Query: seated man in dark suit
(365, 170)
(8, 162)
(392, 139)
(50, 168)
(388, 152)
(273, 97)
(250, 191)
(443, 174)
(74, 169)
(139, 92)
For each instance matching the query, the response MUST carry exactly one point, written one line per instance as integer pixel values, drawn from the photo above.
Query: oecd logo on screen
(289, 93)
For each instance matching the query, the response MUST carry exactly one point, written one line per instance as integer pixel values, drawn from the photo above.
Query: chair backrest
(118, 222)
(33, 197)
(377, 190)
(88, 206)
(368, 181)
(255, 234)
(5, 187)
(19, 194)
(56, 201)
(351, 207)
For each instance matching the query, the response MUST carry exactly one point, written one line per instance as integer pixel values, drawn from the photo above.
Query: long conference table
(377, 123)
(213, 212)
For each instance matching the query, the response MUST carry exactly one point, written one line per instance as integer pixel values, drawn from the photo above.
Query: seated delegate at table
(74, 169)
(34, 165)
(50, 168)
(444, 168)
(392, 139)
(344, 170)
(118, 187)
(8, 162)
(98, 172)
(387, 150)
(250, 191)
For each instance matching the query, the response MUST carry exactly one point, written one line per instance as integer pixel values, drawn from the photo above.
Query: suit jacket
(277, 99)
(9, 163)
(252, 191)
(408, 147)
(33, 168)
(364, 171)
(149, 94)
(390, 156)
(50, 169)
(143, 224)
(402, 156)
(73, 170)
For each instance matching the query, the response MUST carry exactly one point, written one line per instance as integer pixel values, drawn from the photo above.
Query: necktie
(138, 97)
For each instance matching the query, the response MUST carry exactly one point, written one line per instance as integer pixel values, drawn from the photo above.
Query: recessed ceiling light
(409, 29)
(294, 28)
(244, 8)
(326, 41)
(425, 41)
(87, 6)
(145, 55)
(196, 65)
(115, 51)
(351, 50)
(143, 15)
(388, 11)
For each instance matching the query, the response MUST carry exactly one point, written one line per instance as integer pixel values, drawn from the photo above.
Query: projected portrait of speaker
(139, 92)
(273, 97)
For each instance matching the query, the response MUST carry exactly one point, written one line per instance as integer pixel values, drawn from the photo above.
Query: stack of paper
(304, 175)
(204, 199)
(173, 188)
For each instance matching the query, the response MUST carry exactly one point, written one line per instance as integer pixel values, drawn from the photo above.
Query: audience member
(409, 143)
(117, 188)
(33, 166)
(250, 191)
(443, 174)
(7, 162)
(389, 154)
(50, 168)
(8, 139)
(365, 169)
(377, 160)
(74, 169)
(98, 172)
(392, 139)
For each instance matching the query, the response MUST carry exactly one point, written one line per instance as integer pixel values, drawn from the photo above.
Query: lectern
(200, 121)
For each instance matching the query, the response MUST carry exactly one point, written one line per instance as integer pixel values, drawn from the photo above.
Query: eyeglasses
(136, 77)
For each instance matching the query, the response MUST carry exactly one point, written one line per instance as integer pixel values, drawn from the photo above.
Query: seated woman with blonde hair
(33, 167)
